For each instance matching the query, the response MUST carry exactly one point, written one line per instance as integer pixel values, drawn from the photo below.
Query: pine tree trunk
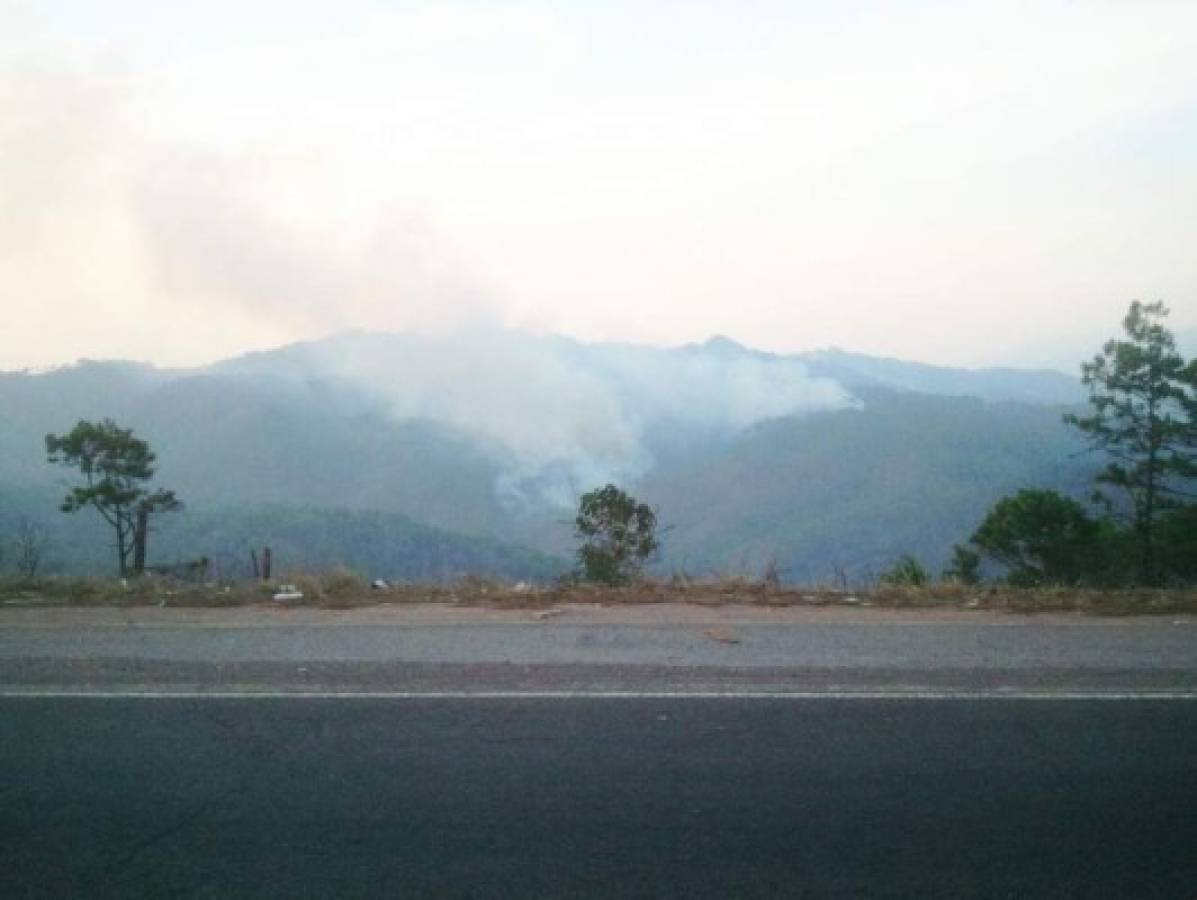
(122, 545)
(140, 535)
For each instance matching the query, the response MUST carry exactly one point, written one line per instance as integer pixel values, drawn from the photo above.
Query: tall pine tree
(1144, 396)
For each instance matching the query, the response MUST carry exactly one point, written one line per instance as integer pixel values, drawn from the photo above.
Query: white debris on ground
(287, 592)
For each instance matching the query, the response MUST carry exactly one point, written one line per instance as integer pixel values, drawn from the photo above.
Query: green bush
(907, 571)
(1042, 537)
(618, 535)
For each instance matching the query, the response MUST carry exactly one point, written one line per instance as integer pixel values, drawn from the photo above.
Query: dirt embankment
(344, 591)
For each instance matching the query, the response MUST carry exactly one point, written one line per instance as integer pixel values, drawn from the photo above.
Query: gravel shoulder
(650, 614)
(659, 647)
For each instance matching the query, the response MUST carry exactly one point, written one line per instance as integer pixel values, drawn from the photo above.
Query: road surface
(619, 798)
(596, 755)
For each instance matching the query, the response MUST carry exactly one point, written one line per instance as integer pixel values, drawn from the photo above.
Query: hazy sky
(954, 182)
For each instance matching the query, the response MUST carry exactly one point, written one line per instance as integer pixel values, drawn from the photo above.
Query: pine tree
(115, 466)
(1143, 398)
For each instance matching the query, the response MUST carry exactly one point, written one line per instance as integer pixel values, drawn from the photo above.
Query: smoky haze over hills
(825, 461)
(560, 414)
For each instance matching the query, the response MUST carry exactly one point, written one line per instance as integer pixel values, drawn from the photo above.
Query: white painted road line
(1121, 696)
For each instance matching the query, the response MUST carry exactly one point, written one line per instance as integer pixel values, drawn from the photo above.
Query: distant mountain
(473, 449)
(843, 494)
(856, 371)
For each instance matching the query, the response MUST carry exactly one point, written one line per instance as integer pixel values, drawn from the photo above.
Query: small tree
(115, 466)
(1041, 537)
(30, 544)
(1142, 394)
(965, 566)
(618, 535)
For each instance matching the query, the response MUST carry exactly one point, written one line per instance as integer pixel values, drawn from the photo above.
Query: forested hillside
(374, 451)
(848, 492)
(302, 539)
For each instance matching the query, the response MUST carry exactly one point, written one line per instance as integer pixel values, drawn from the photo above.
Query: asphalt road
(622, 798)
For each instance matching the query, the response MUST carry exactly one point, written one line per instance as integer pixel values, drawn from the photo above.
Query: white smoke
(566, 416)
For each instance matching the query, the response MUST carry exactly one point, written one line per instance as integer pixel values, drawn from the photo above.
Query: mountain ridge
(750, 456)
(845, 360)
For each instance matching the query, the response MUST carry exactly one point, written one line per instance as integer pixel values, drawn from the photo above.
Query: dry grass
(343, 589)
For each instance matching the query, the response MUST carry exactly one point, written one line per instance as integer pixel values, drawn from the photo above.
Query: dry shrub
(943, 593)
(308, 585)
(342, 583)
(80, 591)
